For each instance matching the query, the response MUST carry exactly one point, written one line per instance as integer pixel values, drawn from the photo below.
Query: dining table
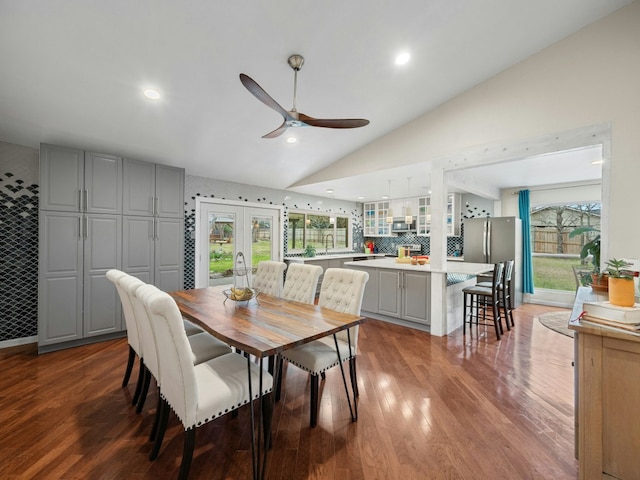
(263, 327)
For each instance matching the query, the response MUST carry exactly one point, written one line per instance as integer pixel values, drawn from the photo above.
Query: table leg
(352, 410)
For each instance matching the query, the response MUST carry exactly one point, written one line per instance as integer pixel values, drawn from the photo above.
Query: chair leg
(162, 427)
(187, 453)
(145, 390)
(505, 307)
(464, 313)
(313, 418)
(141, 374)
(323, 376)
(279, 366)
(496, 319)
(267, 414)
(156, 421)
(354, 376)
(130, 362)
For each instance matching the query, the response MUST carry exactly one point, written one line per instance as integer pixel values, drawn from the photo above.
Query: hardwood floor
(429, 408)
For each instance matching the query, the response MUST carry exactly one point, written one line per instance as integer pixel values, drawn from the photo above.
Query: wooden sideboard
(608, 394)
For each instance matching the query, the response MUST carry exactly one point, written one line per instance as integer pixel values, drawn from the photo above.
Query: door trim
(234, 203)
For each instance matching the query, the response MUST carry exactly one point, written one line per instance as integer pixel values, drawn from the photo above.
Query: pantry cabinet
(83, 234)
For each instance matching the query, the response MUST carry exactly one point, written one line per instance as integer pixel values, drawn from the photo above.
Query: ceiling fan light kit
(293, 118)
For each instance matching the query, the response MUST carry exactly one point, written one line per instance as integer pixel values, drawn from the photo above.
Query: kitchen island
(333, 260)
(401, 293)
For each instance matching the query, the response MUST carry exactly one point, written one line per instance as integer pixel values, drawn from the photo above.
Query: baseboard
(18, 342)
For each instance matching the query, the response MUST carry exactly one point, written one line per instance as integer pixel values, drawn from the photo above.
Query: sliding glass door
(224, 229)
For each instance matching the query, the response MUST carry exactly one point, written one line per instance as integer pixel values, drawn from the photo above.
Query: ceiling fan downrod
(295, 62)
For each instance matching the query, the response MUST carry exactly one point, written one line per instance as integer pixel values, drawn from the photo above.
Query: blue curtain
(527, 263)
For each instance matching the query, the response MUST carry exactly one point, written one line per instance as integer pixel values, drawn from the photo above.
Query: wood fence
(545, 241)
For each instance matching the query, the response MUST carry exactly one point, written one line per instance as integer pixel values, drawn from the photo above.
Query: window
(554, 253)
(316, 229)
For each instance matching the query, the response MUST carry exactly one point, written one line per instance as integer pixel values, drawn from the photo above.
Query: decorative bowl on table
(240, 294)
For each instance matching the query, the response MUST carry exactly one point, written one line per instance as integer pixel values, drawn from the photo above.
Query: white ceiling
(72, 73)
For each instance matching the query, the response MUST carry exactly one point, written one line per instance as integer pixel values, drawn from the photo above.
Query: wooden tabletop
(261, 327)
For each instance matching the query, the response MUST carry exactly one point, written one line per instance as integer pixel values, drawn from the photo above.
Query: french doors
(225, 228)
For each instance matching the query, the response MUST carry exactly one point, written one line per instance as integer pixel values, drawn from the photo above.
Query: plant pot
(621, 292)
(600, 282)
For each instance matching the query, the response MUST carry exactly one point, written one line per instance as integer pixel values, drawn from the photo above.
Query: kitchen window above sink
(317, 230)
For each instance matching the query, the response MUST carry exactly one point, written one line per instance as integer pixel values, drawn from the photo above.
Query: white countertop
(332, 256)
(465, 268)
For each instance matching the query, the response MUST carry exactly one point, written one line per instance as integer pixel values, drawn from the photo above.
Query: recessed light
(385, 197)
(597, 162)
(403, 58)
(360, 198)
(329, 190)
(151, 94)
(292, 140)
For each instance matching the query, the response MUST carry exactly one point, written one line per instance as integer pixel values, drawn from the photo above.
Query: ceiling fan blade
(333, 122)
(258, 92)
(277, 132)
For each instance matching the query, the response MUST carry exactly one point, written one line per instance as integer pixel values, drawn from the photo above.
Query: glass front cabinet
(375, 219)
(424, 215)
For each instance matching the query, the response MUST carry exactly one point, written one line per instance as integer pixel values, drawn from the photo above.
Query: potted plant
(592, 247)
(310, 251)
(621, 287)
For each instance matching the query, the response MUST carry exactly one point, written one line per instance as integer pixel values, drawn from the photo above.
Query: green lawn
(221, 256)
(554, 273)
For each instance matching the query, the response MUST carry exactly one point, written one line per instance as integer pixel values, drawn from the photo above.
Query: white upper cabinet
(375, 219)
(452, 213)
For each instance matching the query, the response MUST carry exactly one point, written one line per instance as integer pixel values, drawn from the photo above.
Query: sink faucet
(326, 242)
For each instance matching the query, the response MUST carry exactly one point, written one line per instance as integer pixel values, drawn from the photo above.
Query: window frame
(306, 214)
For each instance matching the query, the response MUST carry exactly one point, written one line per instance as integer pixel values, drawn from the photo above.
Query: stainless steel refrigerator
(493, 240)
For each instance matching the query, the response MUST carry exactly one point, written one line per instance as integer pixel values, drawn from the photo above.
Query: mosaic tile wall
(18, 242)
(211, 188)
(472, 207)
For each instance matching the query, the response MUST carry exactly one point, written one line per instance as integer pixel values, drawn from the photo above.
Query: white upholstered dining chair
(269, 277)
(341, 290)
(301, 282)
(133, 338)
(196, 393)
(203, 345)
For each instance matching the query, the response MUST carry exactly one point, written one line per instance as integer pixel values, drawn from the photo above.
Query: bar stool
(506, 299)
(477, 298)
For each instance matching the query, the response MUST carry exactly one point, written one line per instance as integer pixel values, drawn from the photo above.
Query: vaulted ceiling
(73, 73)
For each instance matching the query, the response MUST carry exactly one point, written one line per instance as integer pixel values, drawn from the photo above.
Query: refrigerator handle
(489, 241)
(485, 226)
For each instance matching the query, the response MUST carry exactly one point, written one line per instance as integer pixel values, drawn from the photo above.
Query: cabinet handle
(155, 229)
(80, 200)
(80, 227)
(86, 227)
(86, 199)
(156, 203)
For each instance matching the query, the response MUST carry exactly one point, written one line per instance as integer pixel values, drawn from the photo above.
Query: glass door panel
(224, 230)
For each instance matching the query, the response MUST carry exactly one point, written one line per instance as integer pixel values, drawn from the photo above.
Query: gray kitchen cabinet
(83, 234)
(102, 252)
(370, 297)
(389, 292)
(404, 295)
(76, 300)
(153, 190)
(60, 277)
(416, 296)
(153, 250)
(73, 180)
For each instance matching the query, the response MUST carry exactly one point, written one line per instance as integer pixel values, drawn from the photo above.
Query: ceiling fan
(293, 118)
